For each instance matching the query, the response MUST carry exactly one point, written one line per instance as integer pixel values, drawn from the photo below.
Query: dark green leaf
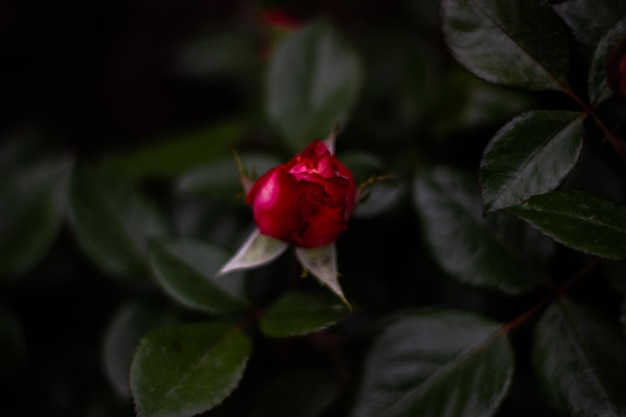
(174, 154)
(589, 20)
(598, 85)
(298, 313)
(113, 223)
(33, 201)
(222, 176)
(578, 220)
(530, 155)
(396, 78)
(186, 270)
(496, 252)
(122, 337)
(513, 43)
(180, 371)
(313, 80)
(296, 394)
(579, 359)
(436, 364)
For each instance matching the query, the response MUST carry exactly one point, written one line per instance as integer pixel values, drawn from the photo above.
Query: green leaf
(295, 394)
(530, 155)
(598, 86)
(129, 324)
(174, 154)
(322, 263)
(578, 355)
(186, 270)
(312, 83)
(298, 313)
(439, 363)
(589, 20)
(496, 252)
(256, 251)
(578, 220)
(513, 43)
(183, 370)
(33, 200)
(221, 177)
(113, 223)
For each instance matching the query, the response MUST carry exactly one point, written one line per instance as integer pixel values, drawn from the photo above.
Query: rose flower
(306, 201)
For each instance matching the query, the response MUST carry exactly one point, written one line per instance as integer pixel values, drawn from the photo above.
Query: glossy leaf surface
(420, 359)
(298, 313)
(180, 371)
(186, 270)
(473, 249)
(579, 220)
(312, 84)
(513, 43)
(530, 155)
(579, 359)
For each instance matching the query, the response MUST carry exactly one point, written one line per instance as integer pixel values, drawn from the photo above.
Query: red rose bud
(305, 202)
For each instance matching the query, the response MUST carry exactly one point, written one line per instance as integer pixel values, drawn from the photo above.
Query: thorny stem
(555, 293)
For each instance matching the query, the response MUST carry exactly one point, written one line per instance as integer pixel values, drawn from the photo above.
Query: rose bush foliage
(485, 278)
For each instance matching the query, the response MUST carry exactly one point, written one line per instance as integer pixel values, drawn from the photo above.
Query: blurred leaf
(517, 44)
(222, 177)
(33, 200)
(598, 85)
(256, 251)
(175, 154)
(461, 101)
(12, 347)
(217, 52)
(322, 263)
(578, 220)
(395, 81)
(113, 223)
(296, 394)
(298, 313)
(436, 364)
(312, 84)
(381, 197)
(496, 252)
(183, 370)
(186, 270)
(530, 155)
(579, 359)
(129, 324)
(589, 20)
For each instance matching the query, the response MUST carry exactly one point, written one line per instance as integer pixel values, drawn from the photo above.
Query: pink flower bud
(306, 201)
